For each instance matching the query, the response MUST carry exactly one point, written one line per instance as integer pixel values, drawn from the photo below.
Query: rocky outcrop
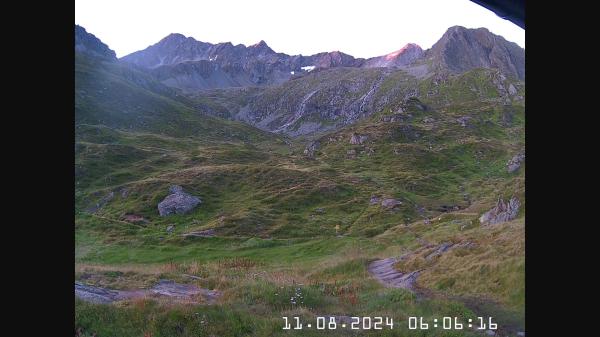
(374, 200)
(311, 148)
(502, 212)
(103, 201)
(390, 203)
(89, 44)
(461, 49)
(515, 163)
(357, 139)
(178, 202)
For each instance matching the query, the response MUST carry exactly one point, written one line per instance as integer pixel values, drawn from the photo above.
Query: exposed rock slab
(502, 212)
(390, 203)
(515, 163)
(164, 288)
(386, 274)
(442, 248)
(95, 294)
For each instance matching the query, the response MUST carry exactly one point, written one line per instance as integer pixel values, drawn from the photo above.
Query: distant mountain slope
(330, 99)
(119, 96)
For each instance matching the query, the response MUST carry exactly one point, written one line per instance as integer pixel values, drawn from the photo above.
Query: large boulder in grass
(502, 212)
(178, 202)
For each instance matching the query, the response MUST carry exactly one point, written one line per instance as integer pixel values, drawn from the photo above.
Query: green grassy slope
(275, 210)
(114, 95)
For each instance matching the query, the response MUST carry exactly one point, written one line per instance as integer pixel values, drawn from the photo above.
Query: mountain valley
(287, 176)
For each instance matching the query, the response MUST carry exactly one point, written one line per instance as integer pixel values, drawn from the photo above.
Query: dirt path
(163, 289)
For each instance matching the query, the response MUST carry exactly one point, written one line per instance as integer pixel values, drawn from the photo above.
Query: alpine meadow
(220, 188)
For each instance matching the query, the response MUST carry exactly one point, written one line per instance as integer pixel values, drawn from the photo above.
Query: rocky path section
(383, 270)
(164, 288)
(96, 294)
(386, 274)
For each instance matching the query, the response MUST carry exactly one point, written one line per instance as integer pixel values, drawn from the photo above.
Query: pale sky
(361, 28)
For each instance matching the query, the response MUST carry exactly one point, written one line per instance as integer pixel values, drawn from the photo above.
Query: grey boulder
(178, 202)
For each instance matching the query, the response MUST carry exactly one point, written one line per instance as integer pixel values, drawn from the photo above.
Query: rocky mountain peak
(262, 47)
(411, 48)
(172, 49)
(173, 37)
(89, 44)
(399, 58)
(461, 49)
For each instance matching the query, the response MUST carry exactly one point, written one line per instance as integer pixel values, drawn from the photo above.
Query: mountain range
(188, 64)
(301, 95)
